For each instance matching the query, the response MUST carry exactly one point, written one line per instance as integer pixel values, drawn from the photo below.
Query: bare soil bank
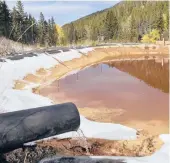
(143, 146)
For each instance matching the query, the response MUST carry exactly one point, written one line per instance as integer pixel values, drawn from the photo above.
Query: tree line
(127, 21)
(20, 26)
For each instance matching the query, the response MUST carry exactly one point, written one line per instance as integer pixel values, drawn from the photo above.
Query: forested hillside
(20, 26)
(127, 21)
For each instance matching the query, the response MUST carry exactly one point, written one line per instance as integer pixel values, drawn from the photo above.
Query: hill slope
(126, 21)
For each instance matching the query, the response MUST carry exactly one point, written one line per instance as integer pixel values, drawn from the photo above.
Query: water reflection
(109, 85)
(155, 74)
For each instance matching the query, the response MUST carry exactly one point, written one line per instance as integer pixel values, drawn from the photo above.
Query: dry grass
(10, 47)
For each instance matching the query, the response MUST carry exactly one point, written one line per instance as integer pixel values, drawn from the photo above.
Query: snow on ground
(12, 100)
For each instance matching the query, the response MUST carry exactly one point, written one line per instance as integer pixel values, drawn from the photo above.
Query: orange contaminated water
(141, 88)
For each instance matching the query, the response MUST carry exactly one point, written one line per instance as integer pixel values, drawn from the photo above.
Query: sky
(63, 11)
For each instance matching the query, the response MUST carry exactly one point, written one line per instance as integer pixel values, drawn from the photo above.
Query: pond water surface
(139, 87)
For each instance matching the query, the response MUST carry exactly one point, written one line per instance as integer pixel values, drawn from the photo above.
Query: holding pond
(133, 93)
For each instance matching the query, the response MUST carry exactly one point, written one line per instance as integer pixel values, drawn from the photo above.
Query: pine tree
(20, 18)
(133, 30)
(115, 27)
(71, 34)
(111, 24)
(167, 18)
(53, 32)
(94, 34)
(34, 30)
(1, 20)
(41, 30)
(20, 9)
(4, 19)
(159, 23)
(49, 34)
(29, 33)
(47, 42)
(88, 32)
(15, 26)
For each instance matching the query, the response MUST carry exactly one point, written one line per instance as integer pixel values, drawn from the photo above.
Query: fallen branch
(58, 60)
(25, 31)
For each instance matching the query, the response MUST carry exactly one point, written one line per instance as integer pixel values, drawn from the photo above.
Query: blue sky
(63, 11)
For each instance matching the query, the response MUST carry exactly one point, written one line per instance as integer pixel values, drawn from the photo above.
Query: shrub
(146, 38)
(152, 37)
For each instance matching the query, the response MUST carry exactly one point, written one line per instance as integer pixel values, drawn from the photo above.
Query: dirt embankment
(143, 146)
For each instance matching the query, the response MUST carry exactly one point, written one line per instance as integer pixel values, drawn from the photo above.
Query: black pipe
(17, 128)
